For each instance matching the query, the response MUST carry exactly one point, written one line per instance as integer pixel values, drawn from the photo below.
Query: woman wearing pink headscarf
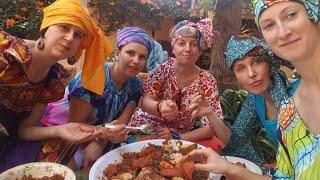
(170, 88)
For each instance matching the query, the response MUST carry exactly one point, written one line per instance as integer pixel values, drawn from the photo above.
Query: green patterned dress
(299, 153)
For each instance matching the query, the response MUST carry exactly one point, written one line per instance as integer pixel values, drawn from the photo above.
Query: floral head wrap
(202, 30)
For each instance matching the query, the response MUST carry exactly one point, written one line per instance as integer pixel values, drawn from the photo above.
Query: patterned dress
(252, 118)
(299, 154)
(18, 96)
(110, 105)
(162, 83)
(105, 108)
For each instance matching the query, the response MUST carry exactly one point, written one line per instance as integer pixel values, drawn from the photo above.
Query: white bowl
(115, 156)
(38, 170)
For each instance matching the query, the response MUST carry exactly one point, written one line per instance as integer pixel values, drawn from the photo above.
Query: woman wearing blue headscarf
(258, 73)
(135, 50)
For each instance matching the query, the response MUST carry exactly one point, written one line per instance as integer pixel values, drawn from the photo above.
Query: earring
(72, 60)
(40, 44)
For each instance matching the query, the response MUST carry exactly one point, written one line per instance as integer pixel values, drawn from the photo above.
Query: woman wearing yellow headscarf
(30, 78)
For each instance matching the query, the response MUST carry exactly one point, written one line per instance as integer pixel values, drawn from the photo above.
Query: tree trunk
(228, 22)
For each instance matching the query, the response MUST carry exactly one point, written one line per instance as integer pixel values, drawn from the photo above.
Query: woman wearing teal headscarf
(259, 73)
(291, 29)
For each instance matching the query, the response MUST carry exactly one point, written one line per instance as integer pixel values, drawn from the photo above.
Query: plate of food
(39, 170)
(150, 159)
(245, 163)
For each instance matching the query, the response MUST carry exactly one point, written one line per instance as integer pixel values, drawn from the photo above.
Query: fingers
(88, 129)
(86, 162)
(202, 167)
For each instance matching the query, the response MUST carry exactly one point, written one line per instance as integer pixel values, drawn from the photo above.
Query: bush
(22, 18)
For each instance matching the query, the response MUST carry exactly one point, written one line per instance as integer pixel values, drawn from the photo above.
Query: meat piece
(149, 173)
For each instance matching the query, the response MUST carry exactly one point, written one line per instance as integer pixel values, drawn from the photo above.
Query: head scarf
(312, 7)
(240, 46)
(156, 55)
(202, 30)
(97, 48)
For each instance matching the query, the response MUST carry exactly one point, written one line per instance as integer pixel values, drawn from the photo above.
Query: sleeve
(155, 81)
(208, 85)
(76, 89)
(13, 49)
(244, 129)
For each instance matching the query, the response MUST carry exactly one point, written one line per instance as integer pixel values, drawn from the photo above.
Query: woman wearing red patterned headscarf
(169, 88)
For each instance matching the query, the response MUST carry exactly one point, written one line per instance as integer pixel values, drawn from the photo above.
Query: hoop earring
(40, 44)
(72, 60)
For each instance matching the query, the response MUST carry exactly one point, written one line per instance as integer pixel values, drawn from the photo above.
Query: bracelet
(158, 108)
(175, 135)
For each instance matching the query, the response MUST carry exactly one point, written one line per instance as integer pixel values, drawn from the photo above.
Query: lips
(256, 83)
(288, 43)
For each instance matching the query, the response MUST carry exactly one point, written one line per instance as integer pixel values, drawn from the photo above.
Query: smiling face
(252, 74)
(62, 40)
(186, 50)
(288, 30)
(132, 58)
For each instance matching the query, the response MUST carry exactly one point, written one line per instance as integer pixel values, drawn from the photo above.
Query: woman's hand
(199, 106)
(168, 109)
(163, 133)
(77, 132)
(116, 134)
(91, 153)
(214, 162)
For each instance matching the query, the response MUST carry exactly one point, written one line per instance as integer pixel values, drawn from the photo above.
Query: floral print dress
(162, 83)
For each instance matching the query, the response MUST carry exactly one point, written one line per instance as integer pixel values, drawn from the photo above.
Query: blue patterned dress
(110, 105)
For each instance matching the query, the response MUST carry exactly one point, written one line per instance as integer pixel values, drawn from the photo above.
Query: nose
(283, 31)
(69, 36)
(188, 47)
(251, 72)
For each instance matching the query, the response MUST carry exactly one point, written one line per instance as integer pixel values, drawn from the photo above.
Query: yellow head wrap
(97, 48)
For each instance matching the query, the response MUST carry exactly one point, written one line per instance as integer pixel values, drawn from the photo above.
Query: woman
(168, 88)
(259, 73)
(31, 78)
(291, 28)
(134, 50)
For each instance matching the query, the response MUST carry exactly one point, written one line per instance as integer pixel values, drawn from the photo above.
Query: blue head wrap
(156, 55)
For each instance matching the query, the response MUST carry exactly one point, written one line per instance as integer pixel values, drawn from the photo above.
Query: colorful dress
(299, 153)
(110, 105)
(162, 83)
(105, 108)
(252, 118)
(18, 96)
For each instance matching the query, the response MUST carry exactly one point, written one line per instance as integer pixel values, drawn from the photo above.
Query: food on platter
(157, 162)
(240, 164)
(54, 177)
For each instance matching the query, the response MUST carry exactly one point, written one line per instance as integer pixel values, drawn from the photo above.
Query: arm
(126, 114)
(217, 164)
(150, 104)
(199, 106)
(30, 130)
(198, 134)
(214, 118)
(79, 110)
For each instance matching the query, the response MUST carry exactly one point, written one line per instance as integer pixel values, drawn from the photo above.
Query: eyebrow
(282, 11)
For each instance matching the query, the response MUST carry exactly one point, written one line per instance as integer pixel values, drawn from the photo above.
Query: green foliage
(22, 18)
(231, 102)
(113, 14)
